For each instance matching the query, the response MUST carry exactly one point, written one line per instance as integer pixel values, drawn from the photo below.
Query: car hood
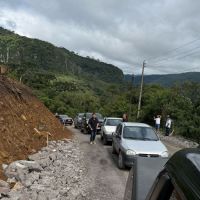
(144, 147)
(110, 129)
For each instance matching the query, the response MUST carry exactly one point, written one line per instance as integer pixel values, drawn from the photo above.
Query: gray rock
(4, 184)
(31, 165)
(4, 190)
(4, 166)
(11, 180)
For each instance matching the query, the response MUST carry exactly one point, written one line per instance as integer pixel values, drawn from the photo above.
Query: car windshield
(139, 133)
(80, 115)
(63, 116)
(88, 115)
(98, 115)
(113, 122)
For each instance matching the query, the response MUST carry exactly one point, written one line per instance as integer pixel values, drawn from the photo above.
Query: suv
(65, 119)
(159, 179)
(108, 127)
(136, 139)
(78, 120)
(84, 126)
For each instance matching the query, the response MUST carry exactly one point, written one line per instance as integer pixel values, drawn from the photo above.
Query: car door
(103, 126)
(115, 137)
(118, 138)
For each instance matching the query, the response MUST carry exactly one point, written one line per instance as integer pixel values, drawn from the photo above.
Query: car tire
(121, 161)
(104, 140)
(113, 149)
(101, 137)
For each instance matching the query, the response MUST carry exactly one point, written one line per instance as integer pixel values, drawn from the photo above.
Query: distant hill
(166, 80)
(25, 53)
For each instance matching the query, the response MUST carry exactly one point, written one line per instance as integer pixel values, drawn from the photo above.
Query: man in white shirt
(168, 125)
(157, 122)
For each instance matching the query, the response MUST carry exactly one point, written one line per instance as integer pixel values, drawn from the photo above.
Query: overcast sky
(121, 32)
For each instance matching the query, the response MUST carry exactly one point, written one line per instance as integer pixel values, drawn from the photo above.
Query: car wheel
(121, 161)
(113, 149)
(85, 131)
(101, 137)
(104, 140)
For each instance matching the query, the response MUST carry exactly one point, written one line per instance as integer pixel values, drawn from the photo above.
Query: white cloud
(123, 33)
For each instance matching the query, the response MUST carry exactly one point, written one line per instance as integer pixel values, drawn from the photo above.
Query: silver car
(136, 139)
(108, 127)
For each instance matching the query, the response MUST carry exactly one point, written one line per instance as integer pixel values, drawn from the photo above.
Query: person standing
(93, 124)
(168, 125)
(157, 122)
(125, 117)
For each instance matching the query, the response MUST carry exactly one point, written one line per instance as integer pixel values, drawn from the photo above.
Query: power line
(175, 49)
(179, 56)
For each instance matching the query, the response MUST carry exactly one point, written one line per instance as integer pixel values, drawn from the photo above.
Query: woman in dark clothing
(125, 117)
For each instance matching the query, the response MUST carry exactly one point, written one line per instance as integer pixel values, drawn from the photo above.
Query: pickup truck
(161, 179)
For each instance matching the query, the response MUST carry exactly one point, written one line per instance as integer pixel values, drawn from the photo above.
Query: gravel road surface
(69, 169)
(107, 182)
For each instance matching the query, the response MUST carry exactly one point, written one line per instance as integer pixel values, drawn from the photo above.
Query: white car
(136, 139)
(108, 127)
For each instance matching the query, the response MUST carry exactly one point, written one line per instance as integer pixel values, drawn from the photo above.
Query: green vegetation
(167, 79)
(68, 83)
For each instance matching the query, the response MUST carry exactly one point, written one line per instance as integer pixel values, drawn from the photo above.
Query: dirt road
(107, 181)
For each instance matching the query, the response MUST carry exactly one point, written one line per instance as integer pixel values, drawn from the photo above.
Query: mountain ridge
(165, 79)
(23, 52)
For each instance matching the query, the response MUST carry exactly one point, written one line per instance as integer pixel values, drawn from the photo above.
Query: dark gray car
(78, 120)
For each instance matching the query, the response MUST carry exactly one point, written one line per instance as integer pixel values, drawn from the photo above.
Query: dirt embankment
(24, 122)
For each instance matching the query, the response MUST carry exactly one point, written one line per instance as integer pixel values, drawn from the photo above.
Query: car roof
(135, 124)
(113, 118)
(184, 167)
(63, 115)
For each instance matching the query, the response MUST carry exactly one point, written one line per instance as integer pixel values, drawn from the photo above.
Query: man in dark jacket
(93, 125)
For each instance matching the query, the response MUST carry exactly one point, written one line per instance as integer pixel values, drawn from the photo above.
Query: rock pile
(55, 172)
(178, 141)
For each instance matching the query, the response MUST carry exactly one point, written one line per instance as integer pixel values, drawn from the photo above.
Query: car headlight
(130, 153)
(165, 154)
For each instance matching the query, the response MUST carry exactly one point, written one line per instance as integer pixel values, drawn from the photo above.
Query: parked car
(65, 120)
(136, 139)
(108, 127)
(78, 120)
(85, 128)
(159, 179)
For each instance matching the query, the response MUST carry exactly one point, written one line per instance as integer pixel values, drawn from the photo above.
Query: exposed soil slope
(24, 122)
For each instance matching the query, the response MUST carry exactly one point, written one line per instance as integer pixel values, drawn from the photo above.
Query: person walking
(93, 124)
(168, 125)
(125, 117)
(157, 122)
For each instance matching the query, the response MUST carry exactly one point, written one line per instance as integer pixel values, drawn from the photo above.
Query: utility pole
(131, 95)
(141, 88)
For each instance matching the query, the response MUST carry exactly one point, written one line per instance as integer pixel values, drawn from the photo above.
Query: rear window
(88, 115)
(139, 133)
(113, 122)
(99, 116)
